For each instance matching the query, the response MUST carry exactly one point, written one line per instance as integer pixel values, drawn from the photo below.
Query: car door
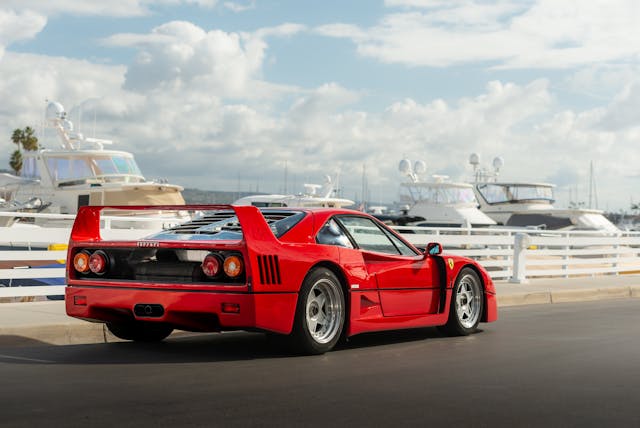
(407, 282)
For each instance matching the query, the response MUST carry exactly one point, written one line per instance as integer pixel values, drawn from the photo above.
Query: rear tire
(466, 305)
(140, 331)
(320, 313)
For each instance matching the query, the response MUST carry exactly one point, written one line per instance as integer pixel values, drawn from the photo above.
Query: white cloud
(181, 54)
(195, 108)
(27, 80)
(240, 7)
(622, 112)
(17, 26)
(197, 139)
(509, 34)
(116, 8)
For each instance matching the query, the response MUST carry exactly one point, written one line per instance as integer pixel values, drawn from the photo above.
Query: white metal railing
(517, 254)
(507, 254)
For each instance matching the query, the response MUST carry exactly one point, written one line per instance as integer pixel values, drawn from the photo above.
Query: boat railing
(30, 255)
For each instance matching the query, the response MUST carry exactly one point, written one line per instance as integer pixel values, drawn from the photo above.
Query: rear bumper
(184, 310)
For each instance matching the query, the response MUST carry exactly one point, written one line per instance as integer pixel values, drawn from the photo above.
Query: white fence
(508, 254)
(517, 254)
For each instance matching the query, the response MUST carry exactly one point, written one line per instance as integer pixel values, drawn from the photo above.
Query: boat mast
(593, 193)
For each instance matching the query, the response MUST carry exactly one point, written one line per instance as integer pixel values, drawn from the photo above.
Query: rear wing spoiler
(254, 227)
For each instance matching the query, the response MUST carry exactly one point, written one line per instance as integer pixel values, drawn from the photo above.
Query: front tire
(140, 331)
(320, 313)
(466, 304)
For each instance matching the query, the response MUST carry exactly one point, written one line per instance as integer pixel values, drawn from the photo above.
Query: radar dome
(474, 159)
(405, 166)
(55, 111)
(498, 162)
(420, 167)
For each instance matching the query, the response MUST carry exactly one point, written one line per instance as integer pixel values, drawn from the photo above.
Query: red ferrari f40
(312, 276)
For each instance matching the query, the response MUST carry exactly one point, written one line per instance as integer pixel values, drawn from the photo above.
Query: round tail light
(211, 265)
(98, 262)
(233, 266)
(81, 262)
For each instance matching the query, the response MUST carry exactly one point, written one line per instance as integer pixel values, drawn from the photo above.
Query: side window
(368, 235)
(401, 246)
(331, 234)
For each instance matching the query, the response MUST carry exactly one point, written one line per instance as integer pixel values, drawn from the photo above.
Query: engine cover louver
(269, 268)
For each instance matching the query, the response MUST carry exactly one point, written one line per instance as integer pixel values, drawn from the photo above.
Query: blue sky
(220, 94)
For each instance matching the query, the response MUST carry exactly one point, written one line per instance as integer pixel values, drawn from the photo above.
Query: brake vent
(269, 269)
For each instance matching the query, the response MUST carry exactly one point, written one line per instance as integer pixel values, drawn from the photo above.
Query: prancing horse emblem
(450, 261)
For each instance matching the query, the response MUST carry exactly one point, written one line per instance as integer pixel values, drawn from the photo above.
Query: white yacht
(438, 202)
(315, 195)
(81, 172)
(529, 204)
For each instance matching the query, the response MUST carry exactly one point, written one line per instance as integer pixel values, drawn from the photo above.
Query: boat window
(63, 169)
(436, 194)
(116, 165)
(105, 166)
(268, 204)
(126, 165)
(501, 193)
(369, 237)
(30, 168)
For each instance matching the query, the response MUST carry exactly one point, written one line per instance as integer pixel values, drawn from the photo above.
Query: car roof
(322, 210)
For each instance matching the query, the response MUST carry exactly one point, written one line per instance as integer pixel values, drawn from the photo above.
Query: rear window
(224, 225)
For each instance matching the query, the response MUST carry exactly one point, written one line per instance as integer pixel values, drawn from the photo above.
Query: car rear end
(195, 276)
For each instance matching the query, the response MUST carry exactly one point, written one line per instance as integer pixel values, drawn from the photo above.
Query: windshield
(501, 193)
(436, 194)
(103, 167)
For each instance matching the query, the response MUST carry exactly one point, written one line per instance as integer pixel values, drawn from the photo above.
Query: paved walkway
(47, 322)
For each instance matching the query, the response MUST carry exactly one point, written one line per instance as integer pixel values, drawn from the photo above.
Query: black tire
(140, 331)
(320, 313)
(467, 301)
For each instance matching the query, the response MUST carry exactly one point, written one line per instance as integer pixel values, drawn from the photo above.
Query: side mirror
(434, 248)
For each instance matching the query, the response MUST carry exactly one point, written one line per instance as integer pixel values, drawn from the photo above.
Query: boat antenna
(285, 176)
(363, 204)
(413, 172)
(593, 194)
(481, 174)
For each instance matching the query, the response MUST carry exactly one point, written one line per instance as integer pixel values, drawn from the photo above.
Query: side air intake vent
(269, 269)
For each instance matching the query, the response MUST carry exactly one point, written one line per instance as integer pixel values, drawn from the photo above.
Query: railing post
(616, 247)
(520, 244)
(565, 256)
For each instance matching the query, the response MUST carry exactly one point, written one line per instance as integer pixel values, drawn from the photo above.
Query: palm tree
(29, 139)
(16, 162)
(25, 139)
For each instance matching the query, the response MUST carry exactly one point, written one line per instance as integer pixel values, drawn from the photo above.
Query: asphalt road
(548, 365)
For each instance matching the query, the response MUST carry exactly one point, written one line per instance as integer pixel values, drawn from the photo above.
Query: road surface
(572, 364)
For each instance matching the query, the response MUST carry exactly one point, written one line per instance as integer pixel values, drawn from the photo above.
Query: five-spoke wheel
(466, 304)
(320, 313)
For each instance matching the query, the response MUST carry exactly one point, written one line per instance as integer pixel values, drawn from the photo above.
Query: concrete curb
(54, 334)
(567, 296)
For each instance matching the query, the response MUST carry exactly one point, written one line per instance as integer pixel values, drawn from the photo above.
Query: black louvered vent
(214, 222)
(269, 269)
